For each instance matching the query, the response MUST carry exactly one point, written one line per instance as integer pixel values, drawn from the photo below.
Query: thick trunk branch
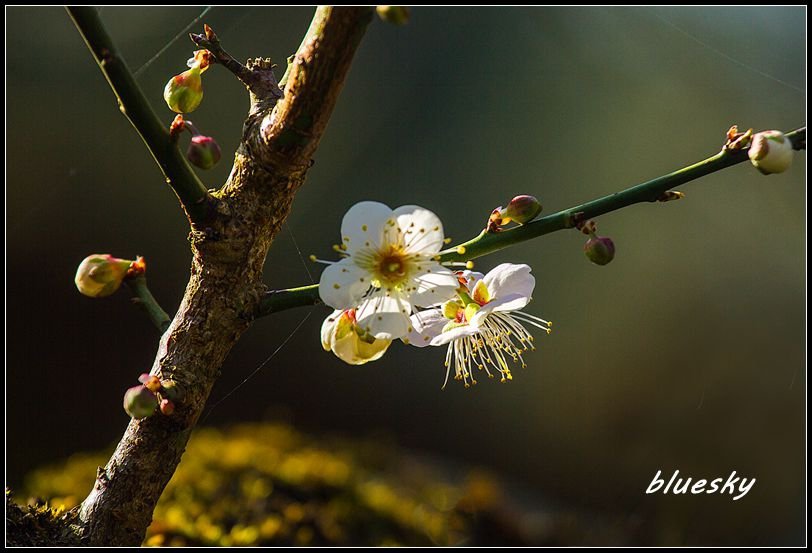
(226, 283)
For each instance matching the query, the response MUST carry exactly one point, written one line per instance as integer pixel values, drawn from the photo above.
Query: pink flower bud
(600, 249)
(100, 275)
(139, 402)
(203, 152)
(521, 209)
(167, 407)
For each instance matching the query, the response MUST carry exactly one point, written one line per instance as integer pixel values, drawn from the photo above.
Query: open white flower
(389, 267)
(483, 328)
(341, 335)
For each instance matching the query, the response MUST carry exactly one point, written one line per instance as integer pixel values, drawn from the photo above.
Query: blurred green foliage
(270, 485)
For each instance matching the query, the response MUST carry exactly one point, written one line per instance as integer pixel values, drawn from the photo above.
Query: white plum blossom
(341, 335)
(483, 327)
(390, 267)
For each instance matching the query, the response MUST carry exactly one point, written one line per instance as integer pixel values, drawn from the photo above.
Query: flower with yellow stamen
(483, 328)
(389, 267)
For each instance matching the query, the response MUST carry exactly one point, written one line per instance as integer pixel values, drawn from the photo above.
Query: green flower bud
(100, 275)
(600, 249)
(521, 209)
(203, 152)
(184, 92)
(397, 15)
(770, 152)
(139, 402)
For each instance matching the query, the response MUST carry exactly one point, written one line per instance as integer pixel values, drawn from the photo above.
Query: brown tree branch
(226, 282)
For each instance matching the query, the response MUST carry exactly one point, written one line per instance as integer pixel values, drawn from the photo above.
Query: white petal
(454, 333)
(426, 325)
(435, 287)
(511, 302)
(422, 229)
(385, 317)
(327, 328)
(341, 285)
(509, 278)
(363, 225)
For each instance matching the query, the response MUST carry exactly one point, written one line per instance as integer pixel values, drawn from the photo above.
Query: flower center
(392, 266)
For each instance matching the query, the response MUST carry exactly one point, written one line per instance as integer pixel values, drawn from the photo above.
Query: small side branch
(487, 242)
(144, 299)
(192, 194)
(257, 76)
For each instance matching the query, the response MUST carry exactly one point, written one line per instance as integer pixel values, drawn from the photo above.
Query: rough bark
(226, 282)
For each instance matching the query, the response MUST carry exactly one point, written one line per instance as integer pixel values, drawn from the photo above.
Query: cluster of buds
(100, 275)
(520, 210)
(599, 249)
(203, 151)
(184, 92)
(143, 400)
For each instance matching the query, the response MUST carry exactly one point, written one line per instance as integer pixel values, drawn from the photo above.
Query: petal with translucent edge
(435, 287)
(354, 351)
(509, 278)
(343, 284)
(511, 302)
(327, 328)
(454, 333)
(384, 317)
(364, 224)
(422, 229)
(426, 325)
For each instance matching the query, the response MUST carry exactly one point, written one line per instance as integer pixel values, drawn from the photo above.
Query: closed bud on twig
(139, 402)
(521, 209)
(167, 407)
(203, 152)
(397, 15)
(100, 275)
(600, 249)
(770, 152)
(184, 92)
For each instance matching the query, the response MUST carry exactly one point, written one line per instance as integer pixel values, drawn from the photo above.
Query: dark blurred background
(687, 352)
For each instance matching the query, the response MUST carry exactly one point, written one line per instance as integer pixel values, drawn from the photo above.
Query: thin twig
(257, 76)
(144, 299)
(192, 194)
(487, 242)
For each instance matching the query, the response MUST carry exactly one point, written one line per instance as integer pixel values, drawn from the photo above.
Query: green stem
(134, 105)
(486, 242)
(145, 299)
